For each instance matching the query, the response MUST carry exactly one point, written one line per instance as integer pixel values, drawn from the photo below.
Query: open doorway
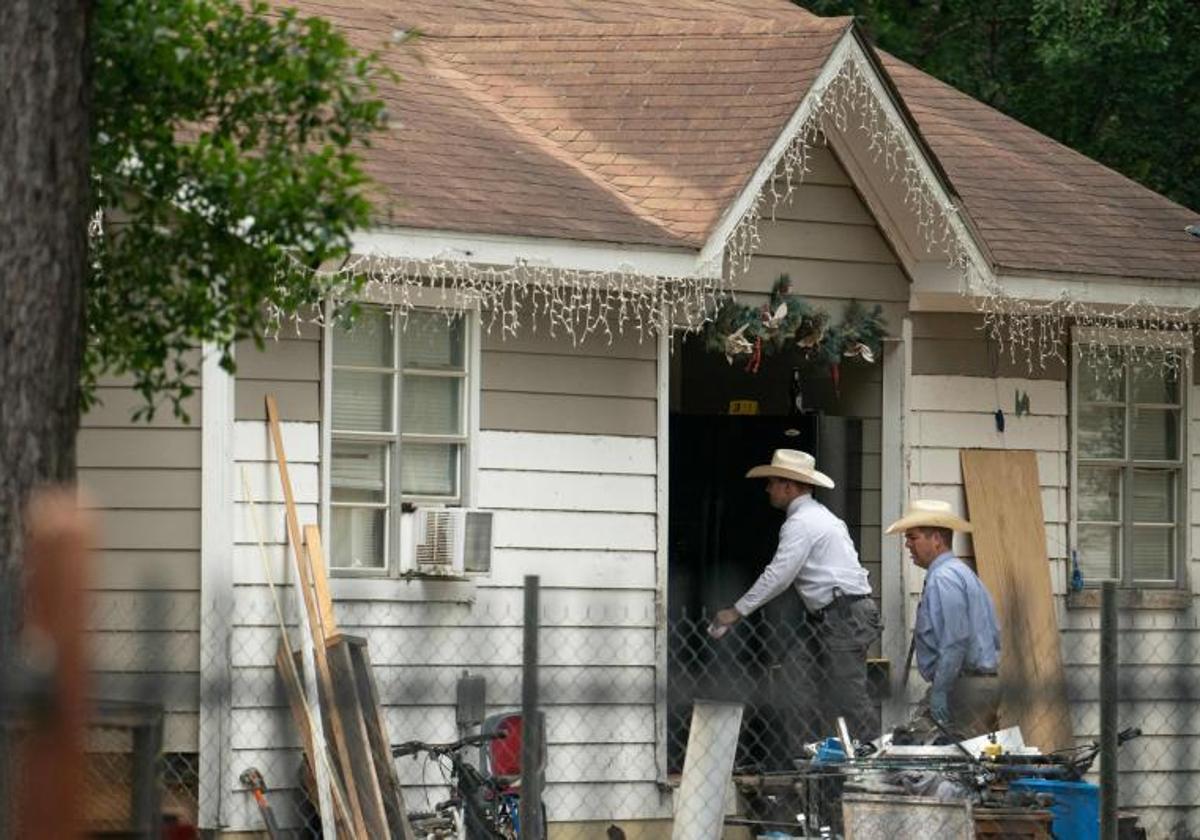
(722, 532)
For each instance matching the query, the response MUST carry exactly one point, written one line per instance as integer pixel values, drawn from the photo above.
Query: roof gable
(1037, 205)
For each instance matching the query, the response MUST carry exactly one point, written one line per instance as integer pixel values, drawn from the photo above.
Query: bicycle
(481, 806)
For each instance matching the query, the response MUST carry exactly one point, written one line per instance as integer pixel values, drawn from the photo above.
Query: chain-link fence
(625, 726)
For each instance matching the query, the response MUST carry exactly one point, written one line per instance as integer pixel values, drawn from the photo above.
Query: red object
(835, 373)
(504, 758)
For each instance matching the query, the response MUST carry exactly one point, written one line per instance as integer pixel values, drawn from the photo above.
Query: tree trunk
(45, 106)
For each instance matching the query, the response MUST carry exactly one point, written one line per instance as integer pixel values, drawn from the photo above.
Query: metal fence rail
(619, 693)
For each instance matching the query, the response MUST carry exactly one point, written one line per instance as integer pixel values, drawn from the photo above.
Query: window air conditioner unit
(452, 541)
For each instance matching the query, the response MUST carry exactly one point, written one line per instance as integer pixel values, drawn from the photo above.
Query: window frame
(1127, 466)
(398, 522)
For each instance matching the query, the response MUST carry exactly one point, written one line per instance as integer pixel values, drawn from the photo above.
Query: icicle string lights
(580, 304)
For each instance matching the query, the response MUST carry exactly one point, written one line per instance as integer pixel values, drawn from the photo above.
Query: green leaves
(224, 143)
(1113, 79)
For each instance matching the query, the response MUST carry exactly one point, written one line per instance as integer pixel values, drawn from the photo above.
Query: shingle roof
(1038, 205)
(640, 123)
(639, 132)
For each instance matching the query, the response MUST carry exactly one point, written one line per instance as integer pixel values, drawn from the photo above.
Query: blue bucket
(1076, 808)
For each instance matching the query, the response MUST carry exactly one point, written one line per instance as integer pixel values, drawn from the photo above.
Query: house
(564, 185)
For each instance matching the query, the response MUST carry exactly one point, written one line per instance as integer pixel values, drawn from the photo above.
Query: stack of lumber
(345, 738)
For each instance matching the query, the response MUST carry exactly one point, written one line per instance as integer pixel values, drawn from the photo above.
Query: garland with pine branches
(788, 323)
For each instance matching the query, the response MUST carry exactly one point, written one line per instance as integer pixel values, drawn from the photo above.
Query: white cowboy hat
(793, 464)
(929, 513)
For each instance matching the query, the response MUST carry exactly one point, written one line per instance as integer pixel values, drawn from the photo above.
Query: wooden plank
(1009, 536)
(303, 399)
(555, 529)
(132, 448)
(283, 360)
(824, 241)
(492, 606)
(975, 393)
(115, 408)
(550, 374)
(511, 411)
(145, 489)
(172, 530)
(324, 679)
(378, 739)
(1045, 434)
(507, 489)
(825, 203)
(274, 522)
(145, 569)
(346, 704)
(474, 646)
(252, 441)
(620, 345)
(606, 454)
(829, 283)
(316, 558)
(301, 713)
(973, 357)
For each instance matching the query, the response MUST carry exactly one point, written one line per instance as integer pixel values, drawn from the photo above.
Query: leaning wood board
(1009, 533)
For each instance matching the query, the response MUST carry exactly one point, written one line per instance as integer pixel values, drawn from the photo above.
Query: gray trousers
(826, 678)
(974, 708)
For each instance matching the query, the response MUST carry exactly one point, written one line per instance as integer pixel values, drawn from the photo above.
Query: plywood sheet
(1005, 508)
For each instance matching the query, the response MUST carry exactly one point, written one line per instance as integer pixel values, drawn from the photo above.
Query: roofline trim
(424, 245)
(745, 204)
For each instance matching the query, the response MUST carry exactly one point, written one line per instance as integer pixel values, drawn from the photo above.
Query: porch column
(897, 357)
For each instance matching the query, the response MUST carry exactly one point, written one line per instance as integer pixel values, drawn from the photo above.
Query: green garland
(790, 324)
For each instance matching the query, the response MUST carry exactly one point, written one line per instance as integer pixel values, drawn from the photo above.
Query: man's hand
(939, 707)
(722, 621)
(727, 617)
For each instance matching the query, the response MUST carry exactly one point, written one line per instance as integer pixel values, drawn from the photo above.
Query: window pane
(367, 342)
(358, 473)
(1102, 432)
(1152, 381)
(429, 469)
(357, 538)
(1102, 382)
(1153, 496)
(1155, 434)
(1099, 494)
(1154, 553)
(362, 402)
(430, 341)
(1099, 547)
(431, 405)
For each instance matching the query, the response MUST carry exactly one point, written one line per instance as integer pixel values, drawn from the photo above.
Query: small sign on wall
(743, 406)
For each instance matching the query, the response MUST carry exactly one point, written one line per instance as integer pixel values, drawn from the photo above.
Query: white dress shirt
(815, 554)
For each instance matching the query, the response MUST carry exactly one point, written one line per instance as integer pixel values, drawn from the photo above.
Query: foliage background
(1118, 80)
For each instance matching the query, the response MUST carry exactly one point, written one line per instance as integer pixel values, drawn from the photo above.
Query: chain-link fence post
(531, 745)
(1109, 667)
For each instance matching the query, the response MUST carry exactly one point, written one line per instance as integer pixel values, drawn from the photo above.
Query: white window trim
(399, 566)
(1181, 342)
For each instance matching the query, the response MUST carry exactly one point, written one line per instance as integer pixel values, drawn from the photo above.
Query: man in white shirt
(818, 558)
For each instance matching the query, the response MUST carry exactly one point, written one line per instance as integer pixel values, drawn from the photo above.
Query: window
(399, 428)
(1129, 460)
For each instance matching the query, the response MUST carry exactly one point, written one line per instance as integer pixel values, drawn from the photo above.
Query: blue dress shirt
(956, 624)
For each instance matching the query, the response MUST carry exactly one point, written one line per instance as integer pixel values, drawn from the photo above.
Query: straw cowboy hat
(793, 464)
(929, 513)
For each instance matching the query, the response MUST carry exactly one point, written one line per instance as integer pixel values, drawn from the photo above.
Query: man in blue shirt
(956, 638)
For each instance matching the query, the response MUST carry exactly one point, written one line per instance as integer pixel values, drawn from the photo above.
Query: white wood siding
(567, 458)
(826, 240)
(1158, 648)
(143, 621)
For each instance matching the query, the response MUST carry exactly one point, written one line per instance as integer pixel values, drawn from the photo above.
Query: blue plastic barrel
(1076, 809)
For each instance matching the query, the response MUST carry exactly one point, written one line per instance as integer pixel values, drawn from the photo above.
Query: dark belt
(978, 672)
(817, 615)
